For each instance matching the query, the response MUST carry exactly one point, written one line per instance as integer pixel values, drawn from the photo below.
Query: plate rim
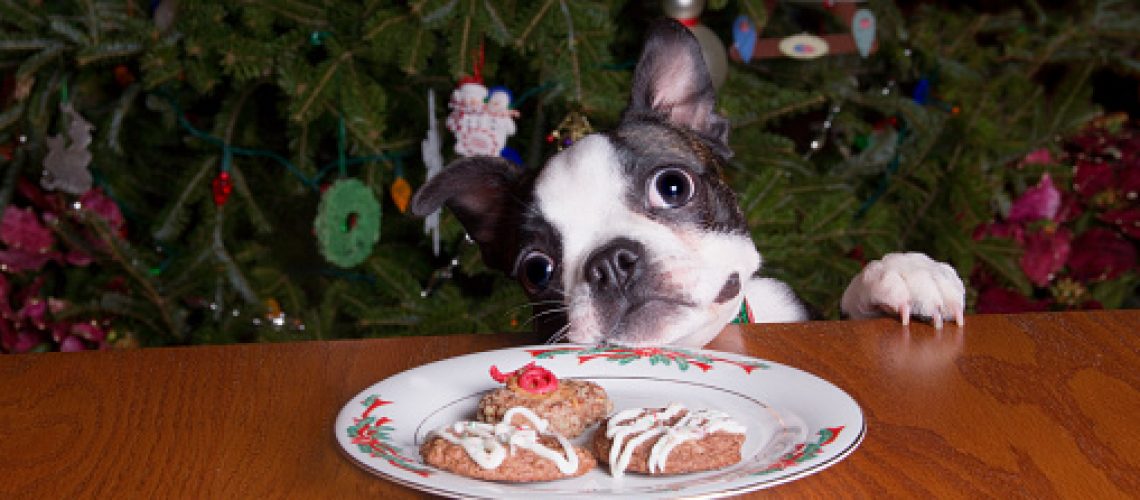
(729, 490)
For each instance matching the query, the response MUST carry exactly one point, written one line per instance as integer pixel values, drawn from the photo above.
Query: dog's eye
(536, 271)
(670, 187)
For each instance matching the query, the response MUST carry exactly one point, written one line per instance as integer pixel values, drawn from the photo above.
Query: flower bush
(35, 245)
(1079, 245)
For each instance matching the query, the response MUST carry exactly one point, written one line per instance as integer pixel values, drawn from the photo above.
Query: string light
(825, 129)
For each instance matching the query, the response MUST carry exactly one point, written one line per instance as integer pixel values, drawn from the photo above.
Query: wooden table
(1035, 405)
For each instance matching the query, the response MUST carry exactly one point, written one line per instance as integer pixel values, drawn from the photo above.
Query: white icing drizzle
(693, 425)
(487, 444)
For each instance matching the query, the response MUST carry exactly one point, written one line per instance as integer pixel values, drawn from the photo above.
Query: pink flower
(1108, 185)
(28, 242)
(1100, 254)
(997, 300)
(1092, 177)
(999, 230)
(95, 202)
(34, 311)
(1040, 202)
(1045, 253)
(1039, 157)
(5, 299)
(88, 331)
(1127, 220)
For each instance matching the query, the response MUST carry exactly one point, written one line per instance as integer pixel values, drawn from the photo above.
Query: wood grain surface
(1018, 406)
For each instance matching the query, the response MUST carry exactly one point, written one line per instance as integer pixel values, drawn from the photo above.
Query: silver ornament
(716, 58)
(65, 165)
(683, 9)
(430, 148)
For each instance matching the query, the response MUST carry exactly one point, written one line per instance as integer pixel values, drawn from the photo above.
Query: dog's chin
(654, 323)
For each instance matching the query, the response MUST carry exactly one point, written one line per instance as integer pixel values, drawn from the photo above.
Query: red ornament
(223, 187)
(123, 75)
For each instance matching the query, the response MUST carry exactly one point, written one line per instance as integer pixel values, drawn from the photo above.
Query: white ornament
(803, 46)
(481, 124)
(65, 166)
(715, 55)
(431, 148)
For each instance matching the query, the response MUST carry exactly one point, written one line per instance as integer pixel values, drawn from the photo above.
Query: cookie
(571, 406)
(523, 451)
(672, 440)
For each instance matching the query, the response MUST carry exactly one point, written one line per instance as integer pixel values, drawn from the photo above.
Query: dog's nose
(614, 266)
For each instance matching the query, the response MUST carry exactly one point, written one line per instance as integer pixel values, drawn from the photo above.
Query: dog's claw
(906, 284)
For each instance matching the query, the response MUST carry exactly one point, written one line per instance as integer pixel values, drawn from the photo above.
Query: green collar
(744, 316)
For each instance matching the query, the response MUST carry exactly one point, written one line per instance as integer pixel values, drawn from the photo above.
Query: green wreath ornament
(348, 222)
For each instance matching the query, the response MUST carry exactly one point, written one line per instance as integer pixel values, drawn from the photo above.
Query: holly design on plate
(680, 358)
(805, 452)
(372, 435)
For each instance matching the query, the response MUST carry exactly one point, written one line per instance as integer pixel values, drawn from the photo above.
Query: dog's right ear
(672, 82)
(480, 192)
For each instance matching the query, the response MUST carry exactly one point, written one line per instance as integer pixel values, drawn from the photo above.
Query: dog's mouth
(645, 320)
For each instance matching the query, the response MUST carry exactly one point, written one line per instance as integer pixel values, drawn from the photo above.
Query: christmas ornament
(803, 46)
(687, 12)
(716, 59)
(863, 30)
(860, 39)
(165, 12)
(65, 165)
(743, 38)
(123, 76)
(480, 119)
(222, 186)
(683, 9)
(273, 312)
(347, 223)
(572, 128)
(430, 149)
(401, 193)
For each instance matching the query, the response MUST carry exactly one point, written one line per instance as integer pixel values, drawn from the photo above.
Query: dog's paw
(905, 285)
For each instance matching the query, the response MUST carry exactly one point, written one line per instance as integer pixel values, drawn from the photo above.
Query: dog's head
(630, 236)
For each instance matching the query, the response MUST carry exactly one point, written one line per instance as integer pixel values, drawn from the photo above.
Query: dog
(632, 236)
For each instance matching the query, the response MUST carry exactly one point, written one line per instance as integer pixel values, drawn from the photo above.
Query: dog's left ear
(480, 192)
(672, 82)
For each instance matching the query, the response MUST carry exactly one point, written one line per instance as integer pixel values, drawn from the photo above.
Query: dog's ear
(673, 82)
(480, 192)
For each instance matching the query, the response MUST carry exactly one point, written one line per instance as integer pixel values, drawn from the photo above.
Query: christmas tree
(182, 171)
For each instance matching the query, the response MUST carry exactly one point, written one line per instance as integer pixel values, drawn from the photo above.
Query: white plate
(798, 424)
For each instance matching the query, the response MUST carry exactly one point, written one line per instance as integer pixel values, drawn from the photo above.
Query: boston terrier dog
(633, 237)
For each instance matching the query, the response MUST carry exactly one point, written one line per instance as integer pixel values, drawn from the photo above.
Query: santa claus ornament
(481, 119)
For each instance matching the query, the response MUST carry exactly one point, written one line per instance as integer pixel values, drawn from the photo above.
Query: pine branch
(311, 94)
(174, 220)
(520, 42)
(117, 250)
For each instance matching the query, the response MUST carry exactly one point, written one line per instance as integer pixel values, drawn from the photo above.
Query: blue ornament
(512, 156)
(743, 37)
(922, 91)
(863, 30)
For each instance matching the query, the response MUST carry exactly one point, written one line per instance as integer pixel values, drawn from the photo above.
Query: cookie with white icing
(522, 448)
(671, 440)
